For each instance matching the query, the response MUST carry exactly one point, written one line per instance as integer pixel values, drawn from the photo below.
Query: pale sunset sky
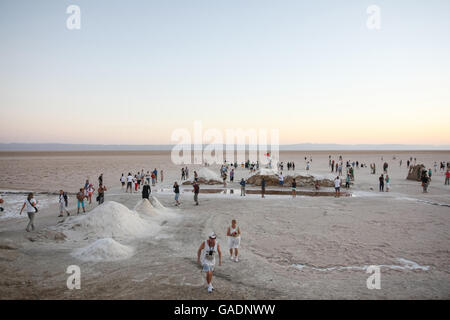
(137, 70)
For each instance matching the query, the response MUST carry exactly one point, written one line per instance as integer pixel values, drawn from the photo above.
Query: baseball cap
(212, 235)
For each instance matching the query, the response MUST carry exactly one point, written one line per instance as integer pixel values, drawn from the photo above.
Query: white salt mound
(155, 203)
(109, 220)
(208, 174)
(266, 172)
(104, 250)
(145, 207)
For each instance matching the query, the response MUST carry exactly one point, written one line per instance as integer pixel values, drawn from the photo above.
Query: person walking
(242, 183)
(206, 258)
(234, 240)
(63, 202)
(447, 177)
(31, 205)
(196, 192)
(146, 190)
(176, 190)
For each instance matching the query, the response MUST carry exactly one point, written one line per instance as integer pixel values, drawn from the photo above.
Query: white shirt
(209, 259)
(130, 178)
(337, 183)
(30, 208)
(122, 179)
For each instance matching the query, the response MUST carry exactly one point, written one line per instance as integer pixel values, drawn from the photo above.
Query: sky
(138, 70)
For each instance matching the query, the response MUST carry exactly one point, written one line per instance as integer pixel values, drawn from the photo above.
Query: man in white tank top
(234, 239)
(206, 258)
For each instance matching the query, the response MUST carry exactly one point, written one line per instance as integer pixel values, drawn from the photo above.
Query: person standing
(281, 179)
(31, 205)
(206, 258)
(80, 200)
(196, 191)
(294, 188)
(232, 175)
(263, 187)
(129, 183)
(146, 191)
(337, 186)
(176, 190)
(1, 202)
(100, 179)
(234, 240)
(347, 181)
(447, 178)
(138, 181)
(156, 175)
(186, 171)
(122, 180)
(63, 202)
(162, 176)
(101, 194)
(90, 193)
(381, 184)
(183, 174)
(153, 178)
(242, 183)
(425, 182)
(388, 183)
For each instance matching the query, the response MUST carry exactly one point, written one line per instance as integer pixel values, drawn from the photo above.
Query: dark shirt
(196, 188)
(176, 189)
(146, 191)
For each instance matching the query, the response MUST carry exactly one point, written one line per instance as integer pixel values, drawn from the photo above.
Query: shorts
(294, 188)
(177, 196)
(123, 183)
(281, 183)
(337, 189)
(61, 207)
(80, 203)
(233, 243)
(129, 184)
(207, 267)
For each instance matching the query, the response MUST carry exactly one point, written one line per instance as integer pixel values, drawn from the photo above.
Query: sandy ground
(302, 248)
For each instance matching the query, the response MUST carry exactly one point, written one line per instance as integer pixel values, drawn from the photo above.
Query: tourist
(263, 187)
(294, 188)
(425, 182)
(31, 205)
(1, 202)
(101, 194)
(129, 183)
(146, 190)
(388, 183)
(162, 176)
(100, 179)
(347, 181)
(63, 202)
(183, 174)
(122, 181)
(234, 240)
(196, 190)
(206, 258)
(80, 202)
(176, 189)
(138, 181)
(337, 186)
(381, 183)
(90, 193)
(156, 175)
(281, 179)
(242, 183)
(447, 177)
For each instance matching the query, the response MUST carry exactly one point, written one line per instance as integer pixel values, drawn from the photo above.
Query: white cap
(212, 235)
